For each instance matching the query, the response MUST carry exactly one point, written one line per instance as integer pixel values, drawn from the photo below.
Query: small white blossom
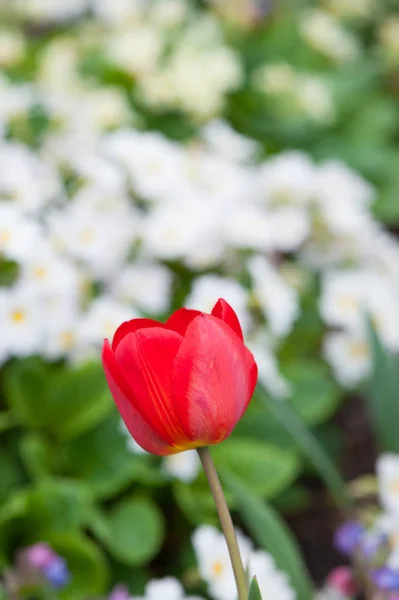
(21, 316)
(146, 284)
(349, 357)
(278, 301)
(214, 561)
(387, 468)
(272, 582)
(207, 290)
(184, 465)
(325, 34)
(167, 588)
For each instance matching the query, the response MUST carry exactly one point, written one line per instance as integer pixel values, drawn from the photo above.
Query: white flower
(276, 78)
(12, 47)
(352, 8)
(278, 301)
(207, 289)
(290, 226)
(272, 582)
(168, 13)
(349, 296)
(25, 179)
(268, 371)
(48, 10)
(50, 272)
(387, 469)
(184, 465)
(314, 98)
(102, 319)
(136, 51)
(342, 300)
(335, 183)
(21, 317)
(18, 234)
(325, 34)
(97, 228)
(249, 226)
(224, 141)
(116, 11)
(146, 284)
(214, 561)
(180, 230)
(167, 588)
(287, 179)
(154, 164)
(349, 357)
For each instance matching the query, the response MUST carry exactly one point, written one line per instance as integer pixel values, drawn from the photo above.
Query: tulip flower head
(181, 384)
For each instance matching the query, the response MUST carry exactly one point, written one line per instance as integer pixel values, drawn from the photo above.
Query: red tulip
(181, 384)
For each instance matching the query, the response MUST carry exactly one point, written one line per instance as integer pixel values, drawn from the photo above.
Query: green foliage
(88, 565)
(254, 591)
(63, 402)
(309, 445)
(271, 533)
(132, 531)
(383, 393)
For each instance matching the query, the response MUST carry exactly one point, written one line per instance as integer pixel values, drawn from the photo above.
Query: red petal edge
(223, 311)
(138, 428)
(214, 376)
(131, 326)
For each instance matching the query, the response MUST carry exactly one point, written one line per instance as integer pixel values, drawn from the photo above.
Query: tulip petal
(181, 319)
(214, 376)
(130, 326)
(223, 311)
(138, 428)
(145, 359)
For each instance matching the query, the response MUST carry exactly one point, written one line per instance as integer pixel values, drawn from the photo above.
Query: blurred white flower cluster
(215, 567)
(101, 221)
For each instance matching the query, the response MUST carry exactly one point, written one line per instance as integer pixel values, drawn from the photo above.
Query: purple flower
(371, 543)
(57, 573)
(120, 592)
(348, 537)
(386, 579)
(39, 555)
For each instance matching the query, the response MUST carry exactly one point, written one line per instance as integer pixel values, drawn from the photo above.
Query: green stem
(225, 521)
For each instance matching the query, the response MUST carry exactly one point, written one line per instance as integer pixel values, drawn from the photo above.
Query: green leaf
(270, 532)
(102, 460)
(11, 470)
(57, 505)
(265, 469)
(132, 531)
(35, 454)
(315, 396)
(64, 401)
(196, 502)
(83, 397)
(87, 564)
(254, 591)
(383, 393)
(305, 439)
(26, 390)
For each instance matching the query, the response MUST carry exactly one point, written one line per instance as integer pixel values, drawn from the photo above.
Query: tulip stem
(225, 521)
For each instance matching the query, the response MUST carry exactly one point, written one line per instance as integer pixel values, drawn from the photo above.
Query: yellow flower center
(18, 316)
(67, 340)
(40, 272)
(4, 237)
(394, 487)
(358, 350)
(217, 568)
(347, 303)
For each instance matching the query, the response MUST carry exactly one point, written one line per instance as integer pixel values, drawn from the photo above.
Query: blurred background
(160, 153)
